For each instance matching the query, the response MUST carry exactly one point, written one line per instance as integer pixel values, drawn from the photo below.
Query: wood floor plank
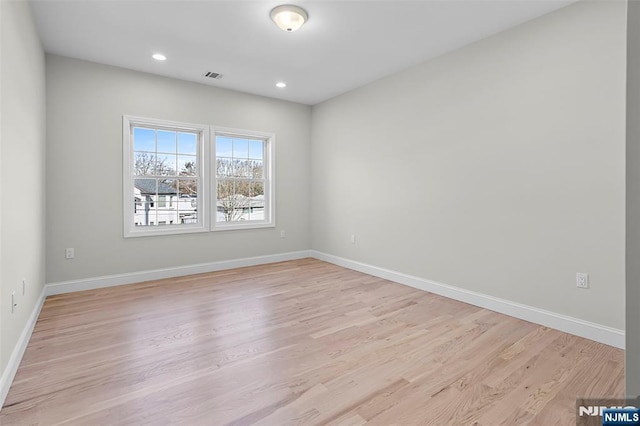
(300, 342)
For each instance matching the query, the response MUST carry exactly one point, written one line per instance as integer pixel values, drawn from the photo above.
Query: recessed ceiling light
(281, 84)
(288, 17)
(159, 57)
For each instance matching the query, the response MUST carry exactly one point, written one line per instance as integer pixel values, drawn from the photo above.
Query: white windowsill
(223, 226)
(152, 231)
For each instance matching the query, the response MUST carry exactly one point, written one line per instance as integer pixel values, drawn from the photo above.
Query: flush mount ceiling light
(288, 17)
(281, 84)
(159, 57)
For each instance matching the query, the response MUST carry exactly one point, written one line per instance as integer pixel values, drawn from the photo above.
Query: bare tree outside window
(146, 164)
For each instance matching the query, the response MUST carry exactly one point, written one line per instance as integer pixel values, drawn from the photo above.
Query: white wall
(498, 168)
(22, 168)
(632, 349)
(86, 102)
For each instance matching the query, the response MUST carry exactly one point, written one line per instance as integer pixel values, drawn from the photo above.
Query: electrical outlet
(353, 238)
(283, 233)
(582, 280)
(69, 253)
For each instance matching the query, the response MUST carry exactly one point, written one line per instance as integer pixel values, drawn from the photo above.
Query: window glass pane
(238, 214)
(224, 167)
(187, 165)
(256, 169)
(166, 165)
(241, 169)
(243, 188)
(257, 190)
(188, 218)
(257, 201)
(166, 141)
(144, 139)
(144, 188)
(224, 146)
(240, 148)
(187, 188)
(188, 209)
(225, 191)
(167, 187)
(256, 149)
(145, 215)
(230, 201)
(187, 143)
(187, 201)
(144, 163)
(257, 210)
(234, 170)
(145, 200)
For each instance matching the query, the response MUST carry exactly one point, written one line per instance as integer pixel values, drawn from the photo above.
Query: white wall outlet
(353, 238)
(582, 280)
(14, 305)
(283, 234)
(69, 253)
(24, 286)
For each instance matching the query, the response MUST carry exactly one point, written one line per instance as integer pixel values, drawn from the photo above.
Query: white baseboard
(571, 325)
(16, 355)
(157, 274)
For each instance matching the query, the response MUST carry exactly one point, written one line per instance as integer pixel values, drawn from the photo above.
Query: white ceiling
(344, 45)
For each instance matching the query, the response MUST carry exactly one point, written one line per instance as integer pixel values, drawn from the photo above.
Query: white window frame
(206, 180)
(269, 179)
(203, 181)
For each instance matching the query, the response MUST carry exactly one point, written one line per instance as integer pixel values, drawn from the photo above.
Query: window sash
(267, 179)
(171, 225)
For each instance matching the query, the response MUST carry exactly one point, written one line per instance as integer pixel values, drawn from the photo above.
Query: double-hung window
(177, 179)
(165, 180)
(243, 177)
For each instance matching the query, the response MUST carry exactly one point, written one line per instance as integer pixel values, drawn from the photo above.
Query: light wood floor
(301, 342)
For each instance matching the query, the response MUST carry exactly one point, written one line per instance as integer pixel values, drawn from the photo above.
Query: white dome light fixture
(288, 17)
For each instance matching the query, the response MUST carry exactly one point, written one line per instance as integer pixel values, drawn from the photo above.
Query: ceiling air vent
(212, 74)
